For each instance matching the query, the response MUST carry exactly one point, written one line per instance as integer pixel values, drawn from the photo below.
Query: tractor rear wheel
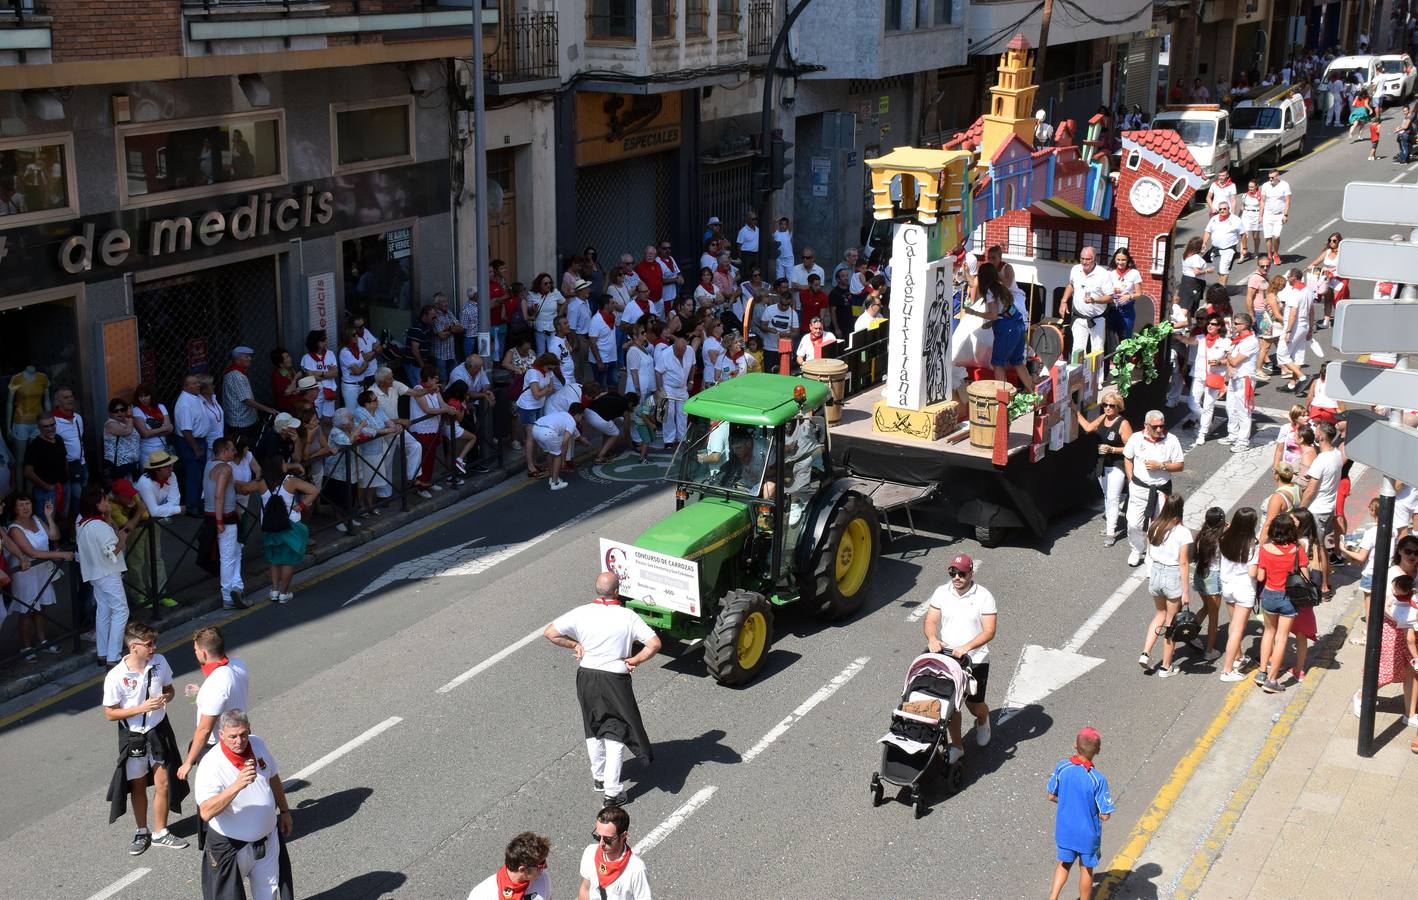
(737, 646)
(843, 565)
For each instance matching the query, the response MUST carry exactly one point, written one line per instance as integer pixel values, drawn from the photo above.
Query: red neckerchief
(86, 519)
(233, 367)
(1252, 193)
(605, 602)
(1224, 183)
(736, 356)
(1122, 269)
(239, 759)
(643, 304)
(816, 346)
(209, 667)
(539, 368)
(606, 870)
(354, 345)
(508, 889)
(152, 412)
(162, 481)
(1150, 440)
(1242, 335)
(1223, 216)
(1405, 598)
(1211, 339)
(1080, 761)
(607, 316)
(61, 414)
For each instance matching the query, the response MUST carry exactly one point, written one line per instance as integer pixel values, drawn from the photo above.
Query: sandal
(536, 473)
(1414, 746)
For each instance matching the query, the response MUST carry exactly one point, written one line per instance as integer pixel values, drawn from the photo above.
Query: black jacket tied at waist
(157, 742)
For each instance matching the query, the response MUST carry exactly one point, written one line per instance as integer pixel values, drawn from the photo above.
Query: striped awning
(1055, 206)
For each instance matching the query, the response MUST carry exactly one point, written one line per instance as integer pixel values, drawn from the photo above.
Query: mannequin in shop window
(29, 396)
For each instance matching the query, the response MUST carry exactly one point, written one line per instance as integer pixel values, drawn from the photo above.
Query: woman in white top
(1168, 546)
(541, 306)
(152, 420)
(285, 548)
(1194, 270)
(1238, 553)
(712, 350)
(783, 234)
(705, 296)
(1287, 443)
(320, 363)
(733, 362)
(537, 384)
(244, 468)
(30, 581)
(1127, 287)
(1330, 287)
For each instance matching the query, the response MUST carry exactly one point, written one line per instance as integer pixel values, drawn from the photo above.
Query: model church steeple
(1011, 99)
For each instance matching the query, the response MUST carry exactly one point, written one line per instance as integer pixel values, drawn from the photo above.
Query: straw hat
(159, 458)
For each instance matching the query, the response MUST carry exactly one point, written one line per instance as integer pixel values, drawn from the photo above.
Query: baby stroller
(916, 745)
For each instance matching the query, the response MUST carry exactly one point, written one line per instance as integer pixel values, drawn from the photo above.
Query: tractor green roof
(756, 398)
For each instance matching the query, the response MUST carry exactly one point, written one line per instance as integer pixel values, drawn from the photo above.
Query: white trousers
(1088, 338)
(1202, 403)
(262, 875)
(229, 551)
(1137, 509)
(1238, 415)
(350, 393)
(110, 617)
(606, 758)
(1112, 481)
(676, 421)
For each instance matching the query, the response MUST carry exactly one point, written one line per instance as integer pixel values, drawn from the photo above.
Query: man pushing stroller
(960, 621)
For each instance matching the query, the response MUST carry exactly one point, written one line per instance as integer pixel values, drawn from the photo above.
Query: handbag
(1214, 381)
(1299, 588)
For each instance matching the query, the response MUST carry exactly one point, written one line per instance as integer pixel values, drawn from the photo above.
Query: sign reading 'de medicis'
(104, 246)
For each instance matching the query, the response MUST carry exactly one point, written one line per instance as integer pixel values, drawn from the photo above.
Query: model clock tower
(1011, 99)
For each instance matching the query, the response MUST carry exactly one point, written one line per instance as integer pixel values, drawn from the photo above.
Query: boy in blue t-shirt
(1085, 804)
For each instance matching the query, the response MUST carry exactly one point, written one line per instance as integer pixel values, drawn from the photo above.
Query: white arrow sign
(1356, 382)
(1042, 671)
(1381, 203)
(1368, 326)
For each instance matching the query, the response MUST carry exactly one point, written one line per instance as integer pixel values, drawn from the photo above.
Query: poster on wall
(320, 292)
(909, 302)
(400, 243)
(821, 175)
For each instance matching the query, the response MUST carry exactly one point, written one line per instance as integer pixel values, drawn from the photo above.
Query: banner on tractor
(655, 579)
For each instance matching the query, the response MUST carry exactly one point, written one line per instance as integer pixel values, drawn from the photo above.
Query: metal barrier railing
(70, 631)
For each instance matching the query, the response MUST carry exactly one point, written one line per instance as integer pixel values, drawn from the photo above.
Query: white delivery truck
(1270, 127)
(1206, 129)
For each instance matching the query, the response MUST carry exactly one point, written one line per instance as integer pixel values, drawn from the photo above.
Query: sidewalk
(1324, 822)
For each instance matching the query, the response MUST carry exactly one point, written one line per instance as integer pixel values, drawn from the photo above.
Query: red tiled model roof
(968, 139)
(1168, 145)
(1018, 42)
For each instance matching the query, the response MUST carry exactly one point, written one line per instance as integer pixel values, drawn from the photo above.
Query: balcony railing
(762, 27)
(523, 47)
(21, 9)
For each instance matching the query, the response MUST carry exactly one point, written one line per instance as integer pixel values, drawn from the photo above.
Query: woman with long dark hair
(1194, 270)
(1206, 576)
(285, 548)
(995, 304)
(1237, 557)
(1127, 288)
(1305, 628)
(1168, 548)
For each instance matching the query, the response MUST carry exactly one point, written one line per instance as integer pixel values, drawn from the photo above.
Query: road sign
(1356, 382)
(1377, 260)
(1381, 203)
(1373, 326)
(1389, 448)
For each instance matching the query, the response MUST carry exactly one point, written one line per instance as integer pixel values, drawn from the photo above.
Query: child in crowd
(1373, 139)
(1405, 613)
(1085, 804)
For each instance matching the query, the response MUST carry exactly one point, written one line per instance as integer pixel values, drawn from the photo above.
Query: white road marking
(919, 611)
(131, 878)
(305, 773)
(1397, 177)
(1326, 225)
(676, 819)
(491, 661)
(459, 561)
(827, 690)
(1091, 625)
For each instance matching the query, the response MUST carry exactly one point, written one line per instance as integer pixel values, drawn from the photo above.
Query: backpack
(275, 517)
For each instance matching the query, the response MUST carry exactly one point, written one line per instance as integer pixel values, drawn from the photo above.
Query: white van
(1270, 127)
(1394, 76)
(1353, 70)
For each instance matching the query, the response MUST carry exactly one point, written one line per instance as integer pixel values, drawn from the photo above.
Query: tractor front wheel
(843, 565)
(737, 646)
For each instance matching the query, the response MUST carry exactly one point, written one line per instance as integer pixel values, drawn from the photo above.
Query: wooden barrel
(833, 373)
(985, 412)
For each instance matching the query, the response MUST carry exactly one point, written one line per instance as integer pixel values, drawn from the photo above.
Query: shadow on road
(370, 884)
(1009, 732)
(1135, 884)
(676, 760)
(313, 814)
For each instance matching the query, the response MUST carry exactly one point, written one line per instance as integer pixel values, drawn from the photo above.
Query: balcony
(24, 32)
(522, 53)
(214, 21)
(762, 28)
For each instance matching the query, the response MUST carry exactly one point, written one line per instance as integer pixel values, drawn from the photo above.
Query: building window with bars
(1043, 243)
(696, 18)
(612, 20)
(1093, 240)
(1067, 247)
(1117, 242)
(1159, 254)
(662, 20)
(1018, 241)
(977, 239)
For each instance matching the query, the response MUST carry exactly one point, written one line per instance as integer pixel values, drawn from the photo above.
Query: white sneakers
(1232, 676)
(557, 484)
(1134, 559)
(955, 754)
(982, 732)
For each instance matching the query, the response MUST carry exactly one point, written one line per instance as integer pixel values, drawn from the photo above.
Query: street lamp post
(765, 197)
(480, 277)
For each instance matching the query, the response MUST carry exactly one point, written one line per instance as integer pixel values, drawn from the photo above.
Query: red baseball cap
(124, 488)
(963, 562)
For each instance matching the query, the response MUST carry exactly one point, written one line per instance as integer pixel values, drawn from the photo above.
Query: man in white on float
(1090, 288)
(1150, 457)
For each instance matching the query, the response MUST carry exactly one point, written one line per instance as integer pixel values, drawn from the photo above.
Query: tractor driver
(748, 458)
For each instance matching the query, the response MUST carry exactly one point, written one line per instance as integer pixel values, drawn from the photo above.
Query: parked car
(1394, 75)
(1270, 127)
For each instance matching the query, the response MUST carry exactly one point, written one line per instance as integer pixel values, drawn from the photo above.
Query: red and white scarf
(607, 871)
(508, 889)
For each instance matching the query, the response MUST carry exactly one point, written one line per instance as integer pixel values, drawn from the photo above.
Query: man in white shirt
(960, 620)
(1336, 102)
(136, 692)
(1090, 288)
(1150, 457)
(388, 391)
(610, 869)
(557, 432)
(241, 798)
(778, 320)
(1242, 356)
(1296, 306)
(190, 423)
(561, 344)
(1275, 212)
(69, 428)
(523, 873)
(747, 241)
(1322, 489)
(605, 360)
(674, 369)
(226, 686)
(1222, 190)
(670, 276)
(817, 337)
(602, 634)
(356, 365)
(809, 266)
(1223, 232)
(158, 489)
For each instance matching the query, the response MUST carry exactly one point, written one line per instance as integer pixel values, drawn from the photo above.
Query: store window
(168, 161)
(372, 133)
(379, 280)
(39, 349)
(36, 180)
(1095, 241)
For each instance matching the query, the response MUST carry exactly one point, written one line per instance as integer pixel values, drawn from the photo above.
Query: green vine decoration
(1020, 404)
(1143, 348)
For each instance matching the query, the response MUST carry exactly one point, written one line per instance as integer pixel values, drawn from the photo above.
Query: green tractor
(762, 519)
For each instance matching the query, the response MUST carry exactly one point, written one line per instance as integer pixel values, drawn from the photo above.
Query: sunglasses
(605, 839)
(1213, 324)
(1157, 425)
(1110, 406)
(958, 573)
(1409, 552)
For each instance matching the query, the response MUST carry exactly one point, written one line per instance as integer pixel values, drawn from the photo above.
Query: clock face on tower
(1147, 196)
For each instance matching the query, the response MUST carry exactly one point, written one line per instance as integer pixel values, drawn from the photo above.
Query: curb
(325, 551)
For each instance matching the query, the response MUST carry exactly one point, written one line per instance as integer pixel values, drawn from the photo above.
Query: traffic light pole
(766, 225)
(1373, 636)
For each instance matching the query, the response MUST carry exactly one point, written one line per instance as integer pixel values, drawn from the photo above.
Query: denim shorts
(1277, 603)
(1165, 581)
(528, 417)
(1366, 582)
(1209, 582)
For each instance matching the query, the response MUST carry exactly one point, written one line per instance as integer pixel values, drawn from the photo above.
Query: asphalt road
(415, 769)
